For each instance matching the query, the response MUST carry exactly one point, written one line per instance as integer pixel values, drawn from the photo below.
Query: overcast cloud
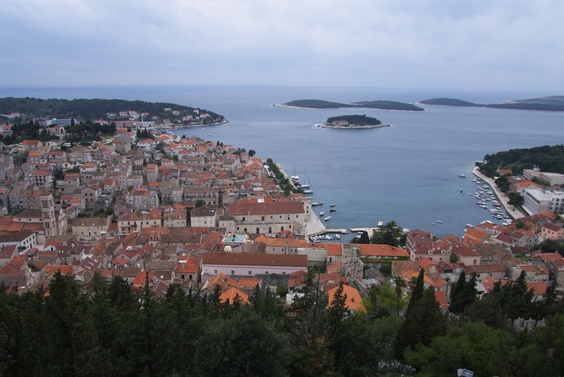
(442, 44)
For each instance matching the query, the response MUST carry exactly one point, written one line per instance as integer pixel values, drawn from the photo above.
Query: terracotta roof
(275, 208)
(249, 282)
(353, 300)
(380, 250)
(255, 259)
(231, 293)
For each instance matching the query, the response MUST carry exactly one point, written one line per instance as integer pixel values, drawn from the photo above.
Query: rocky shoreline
(352, 126)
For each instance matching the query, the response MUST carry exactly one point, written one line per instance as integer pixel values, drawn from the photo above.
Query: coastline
(283, 106)
(503, 198)
(182, 126)
(327, 125)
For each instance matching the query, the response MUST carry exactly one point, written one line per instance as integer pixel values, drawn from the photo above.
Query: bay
(408, 172)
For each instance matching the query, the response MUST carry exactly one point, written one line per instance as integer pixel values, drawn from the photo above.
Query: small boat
(469, 226)
(321, 213)
(337, 236)
(380, 223)
(462, 175)
(439, 221)
(333, 205)
(332, 210)
(308, 192)
(319, 203)
(327, 218)
(461, 190)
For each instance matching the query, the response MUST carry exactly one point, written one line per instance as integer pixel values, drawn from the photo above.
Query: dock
(367, 230)
(342, 231)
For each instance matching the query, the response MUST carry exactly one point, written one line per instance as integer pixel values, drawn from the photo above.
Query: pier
(503, 199)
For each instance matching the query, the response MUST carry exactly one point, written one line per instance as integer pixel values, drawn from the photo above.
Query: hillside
(378, 105)
(108, 109)
(448, 102)
(553, 103)
(389, 105)
(547, 158)
(316, 104)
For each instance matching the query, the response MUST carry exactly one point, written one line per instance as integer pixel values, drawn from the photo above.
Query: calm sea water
(408, 172)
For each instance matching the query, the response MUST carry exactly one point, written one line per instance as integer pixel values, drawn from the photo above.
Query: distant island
(110, 110)
(321, 104)
(552, 103)
(353, 121)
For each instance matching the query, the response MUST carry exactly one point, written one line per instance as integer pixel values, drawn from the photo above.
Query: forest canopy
(547, 158)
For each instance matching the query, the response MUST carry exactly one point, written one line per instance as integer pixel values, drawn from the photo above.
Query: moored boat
(327, 218)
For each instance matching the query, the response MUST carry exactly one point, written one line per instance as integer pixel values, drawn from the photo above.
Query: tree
(309, 333)
(473, 346)
(242, 345)
(417, 292)
(399, 285)
(424, 322)
(516, 199)
(389, 234)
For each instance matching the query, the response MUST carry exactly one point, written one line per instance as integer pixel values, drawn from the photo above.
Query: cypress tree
(417, 292)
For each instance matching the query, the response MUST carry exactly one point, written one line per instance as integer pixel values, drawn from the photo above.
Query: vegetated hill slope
(380, 105)
(547, 158)
(86, 108)
(553, 103)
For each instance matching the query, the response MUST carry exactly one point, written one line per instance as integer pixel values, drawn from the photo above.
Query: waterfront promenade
(503, 198)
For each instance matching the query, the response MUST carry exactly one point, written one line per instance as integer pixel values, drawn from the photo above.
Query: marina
(416, 183)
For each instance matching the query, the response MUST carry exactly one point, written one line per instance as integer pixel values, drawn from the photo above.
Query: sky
(427, 44)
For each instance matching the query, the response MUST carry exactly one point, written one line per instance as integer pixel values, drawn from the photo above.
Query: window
(250, 272)
(232, 272)
(215, 271)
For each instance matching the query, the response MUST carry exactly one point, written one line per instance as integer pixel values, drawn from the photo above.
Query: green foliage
(464, 294)
(106, 328)
(92, 108)
(243, 345)
(551, 246)
(423, 322)
(88, 131)
(553, 103)
(473, 346)
(547, 158)
(389, 105)
(516, 199)
(502, 183)
(357, 120)
(317, 104)
(383, 105)
(389, 234)
(449, 102)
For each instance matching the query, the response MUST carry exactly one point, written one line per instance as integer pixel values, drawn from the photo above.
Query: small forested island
(111, 110)
(553, 103)
(322, 104)
(353, 121)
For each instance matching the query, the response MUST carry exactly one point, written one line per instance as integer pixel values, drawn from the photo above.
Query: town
(161, 210)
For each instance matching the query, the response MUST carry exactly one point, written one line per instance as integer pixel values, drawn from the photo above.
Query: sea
(408, 173)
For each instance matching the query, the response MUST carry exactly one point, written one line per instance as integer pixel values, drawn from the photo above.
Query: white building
(539, 201)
